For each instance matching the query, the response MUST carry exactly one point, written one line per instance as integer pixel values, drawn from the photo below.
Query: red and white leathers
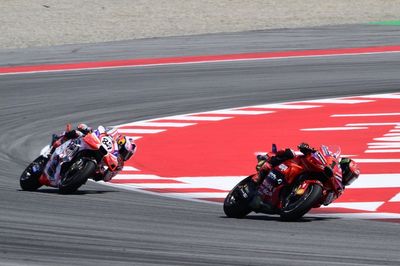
(108, 138)
(270, 160)
(314, 161)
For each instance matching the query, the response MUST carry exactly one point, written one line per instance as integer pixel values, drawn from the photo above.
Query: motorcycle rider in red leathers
(126, 148)
(349, 171)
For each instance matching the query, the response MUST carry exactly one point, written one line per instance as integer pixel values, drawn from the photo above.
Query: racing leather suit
(81, 130)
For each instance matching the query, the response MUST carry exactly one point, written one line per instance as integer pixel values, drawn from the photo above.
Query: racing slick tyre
(77, 175)
(236, 203)
(29, 179)
(296, 206)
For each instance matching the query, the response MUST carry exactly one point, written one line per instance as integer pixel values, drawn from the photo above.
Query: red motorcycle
(292, 188)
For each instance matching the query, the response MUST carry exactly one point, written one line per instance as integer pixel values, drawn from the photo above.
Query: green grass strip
(386, 23)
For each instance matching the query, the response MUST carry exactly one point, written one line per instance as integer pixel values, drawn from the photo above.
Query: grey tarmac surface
(102, 226)
(209, 44)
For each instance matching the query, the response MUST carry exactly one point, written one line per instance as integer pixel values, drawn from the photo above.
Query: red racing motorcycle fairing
(291, 188)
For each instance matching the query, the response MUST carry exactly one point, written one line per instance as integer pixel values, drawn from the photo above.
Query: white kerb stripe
(377, 181)
(159, 124)
(339, 101)
(361, 115)
(372, 124)
(383, 151)
(239, 112)
(382, 96)
(228, 182)
(123, 176)
(140, 130)
(394, 130)
(376, 160)
(332, 128)
(129, 168)
(392, 134)
(395, 198)
(364, 206)
(284, 106)
(159, 185)
(369, 215)
(217, 182)
(197, 118)
(198, 195)
(384, 143)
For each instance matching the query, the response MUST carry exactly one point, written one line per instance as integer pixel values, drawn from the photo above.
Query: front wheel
(29, 179)
(296, 206)
(77, 175)
(236, 203)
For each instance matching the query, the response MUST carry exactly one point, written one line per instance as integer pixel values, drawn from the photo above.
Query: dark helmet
(350, 171)
(126, 147)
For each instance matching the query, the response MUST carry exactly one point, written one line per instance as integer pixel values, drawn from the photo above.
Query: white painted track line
(159, 124)
(123, 176)
(199, 195)
(339, 101)
(395, 198)
(372, 124)
(285, 106)
(382, 96)
(239, 112)
(160, 185)
(383, 151)
(332, 128)
(367, 216)
(129, 168)
(395, 160)
(197, 118)
(362, 115)
(377, 181)
(363, 206)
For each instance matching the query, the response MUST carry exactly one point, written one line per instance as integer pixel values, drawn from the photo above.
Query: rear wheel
(29, 179)
(295, 206)
(76, 176)
(236, 203)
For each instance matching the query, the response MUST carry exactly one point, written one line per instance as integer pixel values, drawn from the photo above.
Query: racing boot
(258, 205)
(263, 168)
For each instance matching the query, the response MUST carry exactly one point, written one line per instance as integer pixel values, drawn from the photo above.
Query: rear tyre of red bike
(79, 172)
(236, 203)
(296, 206)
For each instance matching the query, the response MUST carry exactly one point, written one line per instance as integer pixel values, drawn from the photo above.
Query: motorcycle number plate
(107, 143)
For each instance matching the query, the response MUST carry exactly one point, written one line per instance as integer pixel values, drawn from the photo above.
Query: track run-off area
(205, 154)
(199, 126)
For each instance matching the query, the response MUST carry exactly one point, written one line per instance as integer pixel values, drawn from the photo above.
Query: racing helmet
(85, 129)
(126, 147)
(350, 171)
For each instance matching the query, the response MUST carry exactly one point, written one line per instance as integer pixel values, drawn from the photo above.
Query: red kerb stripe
(196, 59)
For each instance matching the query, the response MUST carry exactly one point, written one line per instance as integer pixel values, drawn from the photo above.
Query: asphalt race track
(105, 226)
